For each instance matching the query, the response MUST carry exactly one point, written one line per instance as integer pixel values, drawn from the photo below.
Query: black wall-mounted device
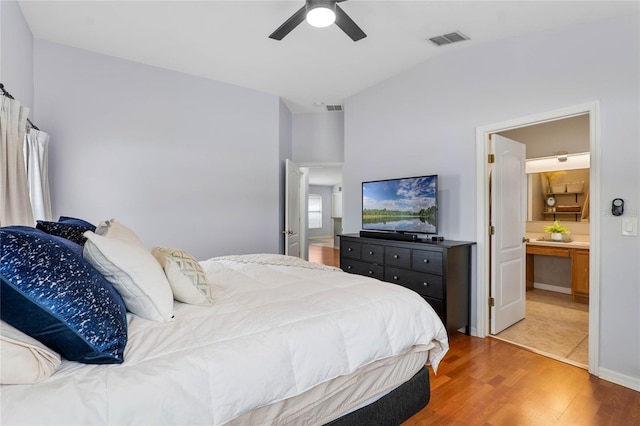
(617, 207)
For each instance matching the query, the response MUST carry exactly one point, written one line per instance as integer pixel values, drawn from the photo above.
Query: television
(405, 205)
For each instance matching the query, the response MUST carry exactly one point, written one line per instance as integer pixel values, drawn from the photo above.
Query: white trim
(541, 352)
(482, 222)
(549, 287)
(620, 379)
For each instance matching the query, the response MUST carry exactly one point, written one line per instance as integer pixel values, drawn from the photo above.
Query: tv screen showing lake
(402, 205)
(401, 225)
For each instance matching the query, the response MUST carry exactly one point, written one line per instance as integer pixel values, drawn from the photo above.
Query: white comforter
(279, 327)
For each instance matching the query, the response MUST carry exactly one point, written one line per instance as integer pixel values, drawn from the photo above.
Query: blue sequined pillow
(67, 227)
(48, 291)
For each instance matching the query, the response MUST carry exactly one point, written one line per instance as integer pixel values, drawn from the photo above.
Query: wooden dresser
(439, 271)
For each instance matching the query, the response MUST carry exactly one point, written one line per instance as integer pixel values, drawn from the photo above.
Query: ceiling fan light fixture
(321, 15)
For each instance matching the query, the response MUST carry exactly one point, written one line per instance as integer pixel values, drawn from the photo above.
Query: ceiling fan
(320, 13)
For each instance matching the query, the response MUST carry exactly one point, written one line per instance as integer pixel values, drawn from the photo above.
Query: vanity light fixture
(550, 164)
(562, 156)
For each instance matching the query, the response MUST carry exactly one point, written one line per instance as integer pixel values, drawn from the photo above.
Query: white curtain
(36, 152)
(15, 204)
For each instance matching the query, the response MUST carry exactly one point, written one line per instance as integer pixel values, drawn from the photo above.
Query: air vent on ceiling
(334, 107)
(448, 38)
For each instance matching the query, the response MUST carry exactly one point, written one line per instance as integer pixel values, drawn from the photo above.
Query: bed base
(395, 407)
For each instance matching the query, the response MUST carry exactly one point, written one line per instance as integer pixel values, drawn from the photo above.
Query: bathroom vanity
(577, 251)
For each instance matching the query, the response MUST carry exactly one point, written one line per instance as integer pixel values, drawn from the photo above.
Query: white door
(292, 209)
(508, 216)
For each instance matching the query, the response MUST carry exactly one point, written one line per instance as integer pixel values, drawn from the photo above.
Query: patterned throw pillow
(50, 293)
(186, 276)
(67, 227)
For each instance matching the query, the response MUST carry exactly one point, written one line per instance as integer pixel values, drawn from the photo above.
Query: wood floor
(491, 382)
(325, 255)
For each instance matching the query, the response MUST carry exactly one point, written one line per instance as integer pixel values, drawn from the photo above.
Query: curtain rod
(8, 95)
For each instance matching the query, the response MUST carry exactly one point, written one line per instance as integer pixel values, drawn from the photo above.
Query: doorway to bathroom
(557, 323)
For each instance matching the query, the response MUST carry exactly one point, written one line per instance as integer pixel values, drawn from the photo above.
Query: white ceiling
(228, 40)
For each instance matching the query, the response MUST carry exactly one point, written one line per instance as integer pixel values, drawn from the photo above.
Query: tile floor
(554, 325)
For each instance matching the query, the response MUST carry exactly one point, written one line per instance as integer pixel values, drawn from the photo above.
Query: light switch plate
(630, 226)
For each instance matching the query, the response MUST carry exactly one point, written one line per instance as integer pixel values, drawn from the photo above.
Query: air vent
(334, 107)
(448, 38)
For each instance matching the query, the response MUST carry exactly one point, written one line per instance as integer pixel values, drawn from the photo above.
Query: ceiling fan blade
(347, 25)
(284, 29)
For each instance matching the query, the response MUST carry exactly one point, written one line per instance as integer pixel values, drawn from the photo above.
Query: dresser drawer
(422, 283)
(350, 249)
(397, 256)
(362, 268)
(372, 253)
(427, 261)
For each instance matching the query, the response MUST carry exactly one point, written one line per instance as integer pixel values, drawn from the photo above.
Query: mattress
(337, 397)
(281, 332)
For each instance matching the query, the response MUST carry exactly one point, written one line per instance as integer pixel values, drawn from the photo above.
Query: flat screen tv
(406, 205)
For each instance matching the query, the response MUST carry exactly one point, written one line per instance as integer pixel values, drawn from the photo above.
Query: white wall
(431, 130)
(318, 137)
(184, 161)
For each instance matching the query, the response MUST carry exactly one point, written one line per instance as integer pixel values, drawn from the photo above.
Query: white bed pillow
(134, 273)
(24, 360)
(113, 229)
(186, 276)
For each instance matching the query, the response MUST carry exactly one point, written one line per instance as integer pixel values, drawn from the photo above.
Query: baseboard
(549, 287)
(619, 379)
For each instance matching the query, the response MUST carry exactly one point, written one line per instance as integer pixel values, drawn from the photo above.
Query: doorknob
(525, 239)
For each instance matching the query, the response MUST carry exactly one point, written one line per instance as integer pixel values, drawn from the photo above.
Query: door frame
(303, 190)
(482, 221)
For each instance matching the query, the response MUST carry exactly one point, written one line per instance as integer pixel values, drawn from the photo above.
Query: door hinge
(492, 302)
(492, 230)
(491, 159)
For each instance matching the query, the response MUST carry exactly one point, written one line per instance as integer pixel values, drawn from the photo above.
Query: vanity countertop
(577, 241)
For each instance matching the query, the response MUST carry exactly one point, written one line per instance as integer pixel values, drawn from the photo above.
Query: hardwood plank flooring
(491, 382)
(324, 255)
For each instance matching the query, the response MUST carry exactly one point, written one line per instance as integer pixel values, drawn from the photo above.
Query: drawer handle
(395, 277)
(349, 249)
(370, 272)
(426, 260)
(371, 252)
(349, 267)
(425, 284)
(395, 256)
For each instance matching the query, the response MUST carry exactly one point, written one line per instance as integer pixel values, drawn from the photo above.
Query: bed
(283, 341)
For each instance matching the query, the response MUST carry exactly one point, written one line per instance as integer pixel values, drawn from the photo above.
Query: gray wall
(439, 104)
(16, 54)
(318, 137)
(184, 161)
